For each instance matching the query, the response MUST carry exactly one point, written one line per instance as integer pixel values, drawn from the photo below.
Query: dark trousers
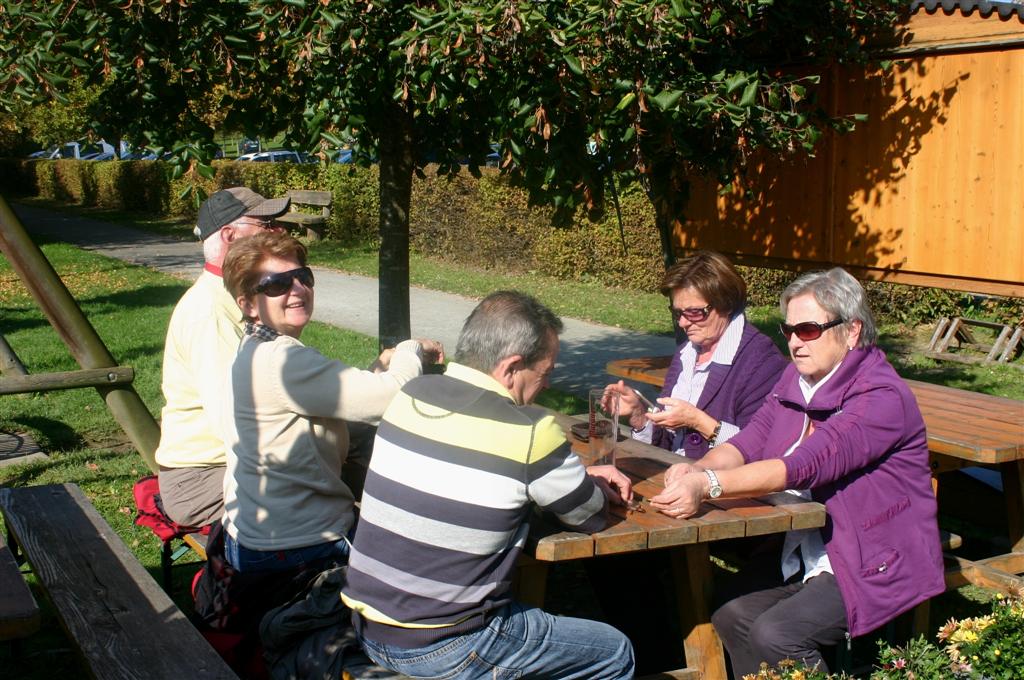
(792, 621)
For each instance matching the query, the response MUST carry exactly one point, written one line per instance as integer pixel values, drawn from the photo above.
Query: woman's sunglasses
(808, 330)
(275, 285)
(690, 313)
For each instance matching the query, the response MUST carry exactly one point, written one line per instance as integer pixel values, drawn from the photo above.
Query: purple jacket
(732, 393)
(867, 461)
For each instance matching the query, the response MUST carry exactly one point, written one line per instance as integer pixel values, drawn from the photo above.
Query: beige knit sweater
(285, 430)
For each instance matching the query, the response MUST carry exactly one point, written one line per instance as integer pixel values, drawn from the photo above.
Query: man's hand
(616, 486)
(433, 351)
(683, 497)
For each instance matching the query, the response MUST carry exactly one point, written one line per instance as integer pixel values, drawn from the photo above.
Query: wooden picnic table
(687, 539)
(964, 429)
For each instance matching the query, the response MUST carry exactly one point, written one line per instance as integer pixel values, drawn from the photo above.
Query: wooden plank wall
(927, 192)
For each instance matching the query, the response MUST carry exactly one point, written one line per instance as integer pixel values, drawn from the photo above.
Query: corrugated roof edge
(1005, 9)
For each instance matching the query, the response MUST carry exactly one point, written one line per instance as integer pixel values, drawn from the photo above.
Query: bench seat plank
(123, 623)
(19, 614)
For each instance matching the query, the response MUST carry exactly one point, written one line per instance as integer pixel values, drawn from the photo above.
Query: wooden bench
(19, 614)
(313, 224)
(124, 625)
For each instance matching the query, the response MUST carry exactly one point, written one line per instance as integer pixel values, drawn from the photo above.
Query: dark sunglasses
(275, 285)
(690, 313)
(808, 330)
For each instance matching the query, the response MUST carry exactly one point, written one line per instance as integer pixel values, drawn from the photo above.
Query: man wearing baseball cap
(202, 339)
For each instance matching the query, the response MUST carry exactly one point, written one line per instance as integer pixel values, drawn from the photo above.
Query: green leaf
(626, 100)
(332, 19)
(667, 99)
(420, 16)
(573, 63)
(749, 94)
(735, 83)
(206, 171)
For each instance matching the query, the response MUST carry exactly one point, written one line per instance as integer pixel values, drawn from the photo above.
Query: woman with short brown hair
(720, 375)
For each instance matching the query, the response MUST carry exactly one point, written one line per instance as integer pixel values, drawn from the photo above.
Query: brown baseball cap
(227, 205)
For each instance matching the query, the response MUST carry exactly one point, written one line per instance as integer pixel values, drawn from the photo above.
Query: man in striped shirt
(459, 462)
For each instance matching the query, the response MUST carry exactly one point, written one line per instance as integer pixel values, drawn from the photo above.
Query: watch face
(714, 488)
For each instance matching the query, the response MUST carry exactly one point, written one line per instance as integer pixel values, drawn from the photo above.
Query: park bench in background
(313, 224)
(958, 330)
(124, 625)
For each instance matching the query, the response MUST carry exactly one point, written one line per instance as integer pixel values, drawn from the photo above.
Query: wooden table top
(967, 425)
(634, 531)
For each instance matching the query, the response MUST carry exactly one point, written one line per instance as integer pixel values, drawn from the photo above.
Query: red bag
(150, 512)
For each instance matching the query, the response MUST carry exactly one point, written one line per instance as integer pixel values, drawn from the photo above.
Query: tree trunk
(396, 166)
(668, 190)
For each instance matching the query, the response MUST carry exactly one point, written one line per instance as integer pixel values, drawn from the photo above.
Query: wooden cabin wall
(929, 191)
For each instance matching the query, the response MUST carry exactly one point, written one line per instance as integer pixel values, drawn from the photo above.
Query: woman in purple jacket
(720, 376)
(717, 380)
(842, 428)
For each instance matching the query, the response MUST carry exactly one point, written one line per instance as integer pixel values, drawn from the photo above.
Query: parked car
(493, 159)
(248, 146)
(43, 153)
(98, 156)
(282, 156)
(76, 150)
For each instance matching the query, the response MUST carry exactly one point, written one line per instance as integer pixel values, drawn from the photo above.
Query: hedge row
(460, 219)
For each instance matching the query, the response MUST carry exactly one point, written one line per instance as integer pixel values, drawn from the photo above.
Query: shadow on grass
(57, 436)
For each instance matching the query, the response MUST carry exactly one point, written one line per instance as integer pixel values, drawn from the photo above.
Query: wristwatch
(716, 489)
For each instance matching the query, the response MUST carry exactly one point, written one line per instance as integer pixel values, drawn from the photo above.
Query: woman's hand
(383, 361)
(674, 473)
(616, 486)
(679, 413)
(629, 406)
(683, 497)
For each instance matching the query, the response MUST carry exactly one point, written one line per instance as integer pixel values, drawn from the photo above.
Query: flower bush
(989, 647)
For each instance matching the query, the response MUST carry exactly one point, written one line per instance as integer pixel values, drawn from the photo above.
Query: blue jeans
(519, 642)
(245, 559)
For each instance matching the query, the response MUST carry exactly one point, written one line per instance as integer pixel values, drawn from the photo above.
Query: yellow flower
(964, 635)
(983, 622)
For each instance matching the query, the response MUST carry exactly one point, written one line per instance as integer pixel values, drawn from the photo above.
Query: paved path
(350, 301)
